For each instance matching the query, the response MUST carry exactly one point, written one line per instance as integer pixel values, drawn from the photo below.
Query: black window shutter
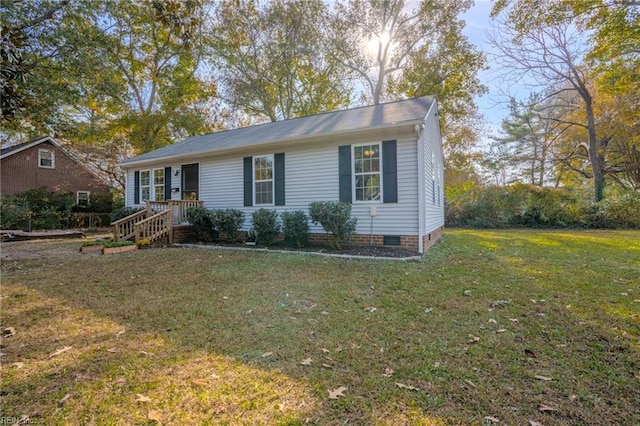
(248, 181)
(389, 172)
(344, 170)
(136, 187)
(278, 172)
(167, 183)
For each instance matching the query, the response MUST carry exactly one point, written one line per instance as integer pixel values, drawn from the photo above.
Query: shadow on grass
(213, 337)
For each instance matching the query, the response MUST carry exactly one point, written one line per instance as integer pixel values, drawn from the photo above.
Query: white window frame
(148, 186)
(40, 158)
(353, 173)
(256, 181)
(88, 193)
(156, 184)
(152, 185)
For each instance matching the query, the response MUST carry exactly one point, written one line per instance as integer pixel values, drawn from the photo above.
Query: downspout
(421, 177)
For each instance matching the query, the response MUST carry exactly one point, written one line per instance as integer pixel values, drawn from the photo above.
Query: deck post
(170, 220)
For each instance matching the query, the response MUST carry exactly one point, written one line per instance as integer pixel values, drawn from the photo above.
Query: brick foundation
(185, 233)
(430, 239)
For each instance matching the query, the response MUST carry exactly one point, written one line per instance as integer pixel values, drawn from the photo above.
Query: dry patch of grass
(549, 333)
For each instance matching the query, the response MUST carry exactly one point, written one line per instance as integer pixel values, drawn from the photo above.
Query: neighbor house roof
(12, 150)
(410, 111)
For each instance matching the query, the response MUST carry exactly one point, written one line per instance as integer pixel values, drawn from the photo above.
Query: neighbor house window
(366, 172)
(158, 184)
(82, 198)
(145, 185)
(46, 159)
(263, 180)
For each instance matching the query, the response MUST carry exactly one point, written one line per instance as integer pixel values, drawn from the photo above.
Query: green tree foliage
(272, 60)
(529, 136)
(113, 73)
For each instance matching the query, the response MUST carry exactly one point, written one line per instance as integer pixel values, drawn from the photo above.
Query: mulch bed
(385, 251)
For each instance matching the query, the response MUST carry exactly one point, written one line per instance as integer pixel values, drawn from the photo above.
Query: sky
(492, 106)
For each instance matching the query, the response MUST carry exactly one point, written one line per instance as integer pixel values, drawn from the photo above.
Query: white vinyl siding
(311, 174)
(433, 175)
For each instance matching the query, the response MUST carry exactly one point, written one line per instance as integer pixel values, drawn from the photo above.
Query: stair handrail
(123, 229)
(155, 227)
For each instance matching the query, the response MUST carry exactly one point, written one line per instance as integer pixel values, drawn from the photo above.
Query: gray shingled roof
(382, 115)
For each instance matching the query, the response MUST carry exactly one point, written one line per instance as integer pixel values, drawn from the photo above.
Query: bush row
(334, 217)
(43, 209)
(531, 206)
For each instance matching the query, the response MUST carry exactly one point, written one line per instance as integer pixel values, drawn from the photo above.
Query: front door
(190, 181)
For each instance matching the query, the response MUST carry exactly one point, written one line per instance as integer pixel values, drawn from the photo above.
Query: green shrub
(335, 218)
(295, 227)
(202, 221)
(36, 209)
(123, 212)
(228, 222)
(265, 225)
(623, 212)
(111, 244)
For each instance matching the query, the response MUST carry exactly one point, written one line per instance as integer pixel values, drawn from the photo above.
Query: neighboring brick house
(45, 163)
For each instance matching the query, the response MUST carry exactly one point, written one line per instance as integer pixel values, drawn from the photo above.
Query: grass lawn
(550, 333)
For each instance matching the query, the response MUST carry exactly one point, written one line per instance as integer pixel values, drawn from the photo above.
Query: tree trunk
(596, 158)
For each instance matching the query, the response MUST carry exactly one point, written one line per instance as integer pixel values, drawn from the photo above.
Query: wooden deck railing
(163, 213)
(124, 229)
(178, 207)
(155, 227)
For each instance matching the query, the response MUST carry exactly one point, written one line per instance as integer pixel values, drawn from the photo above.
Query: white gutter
(421, 196)
(200, 154)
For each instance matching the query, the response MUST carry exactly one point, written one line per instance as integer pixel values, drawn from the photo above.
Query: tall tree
(272, 60)
(551, 56)
(380, 39)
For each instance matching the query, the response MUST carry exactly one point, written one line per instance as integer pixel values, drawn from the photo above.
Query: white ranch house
(384, 159)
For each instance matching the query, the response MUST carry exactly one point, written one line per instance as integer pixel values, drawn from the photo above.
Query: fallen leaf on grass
(199, 382)
(326, 351)
(142, 398)
(370, 309)
(543, 378)
(8, 332)
(60, 351)
(225, 298)
(266, 354)
(470, 383)
(307, 361)
(534, 423)
(573, 398)
(502, 330)
(493, 321)
(545, 407)
(474, 339)
(336, 393)
(120, 333)
(327, 366)
(408, 387)
(64, 399)
(491, 419)
(513, 319)
(18, 365)
(112, 350)
(388, 372)
(154, 415)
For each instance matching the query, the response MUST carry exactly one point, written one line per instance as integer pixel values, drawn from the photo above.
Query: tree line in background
(121, 77)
